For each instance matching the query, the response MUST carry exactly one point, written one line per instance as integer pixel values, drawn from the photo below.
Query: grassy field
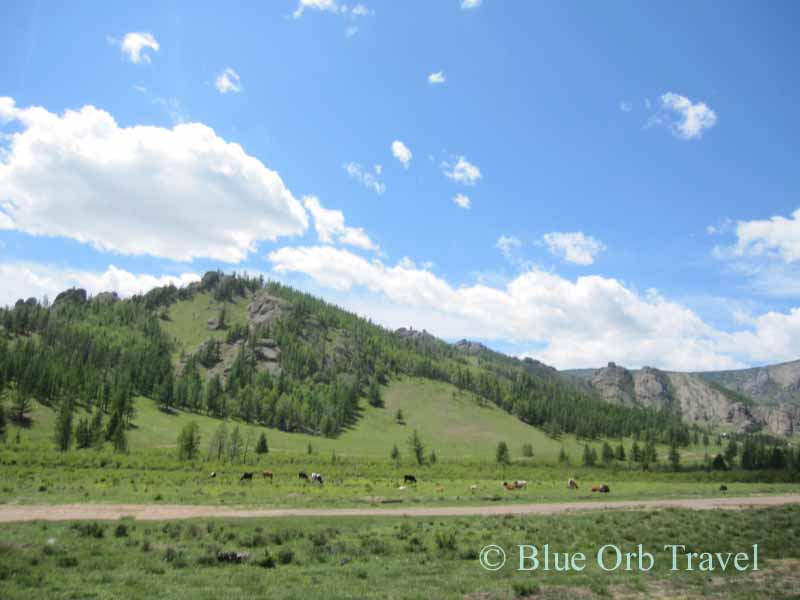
(452, 424)
(393, 558)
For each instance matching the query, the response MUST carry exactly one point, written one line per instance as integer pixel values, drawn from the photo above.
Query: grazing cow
(509, 485)
(595, 488)
(604, 489)
(409, 479)
(723, 488)
(246, 477)
(521, 484)
(212, 474)
(572, 484)
(473, 487)
(303, 475)
(267, 475)
(316, 477)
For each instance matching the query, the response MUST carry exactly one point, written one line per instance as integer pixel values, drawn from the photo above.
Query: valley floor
(11, 513)
(397, 557)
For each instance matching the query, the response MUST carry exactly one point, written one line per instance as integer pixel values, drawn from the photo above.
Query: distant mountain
(745, 400)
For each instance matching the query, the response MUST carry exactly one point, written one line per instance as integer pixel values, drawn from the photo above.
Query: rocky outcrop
(615, 385)
(71, 296)
(265, 309)
(470, 347)
(697, 400)
(782, 419)
(106, 298)
(652, 388)
(771, 385)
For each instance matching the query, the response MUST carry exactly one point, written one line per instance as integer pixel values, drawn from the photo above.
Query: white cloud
(462, 172)
(135, 44)
(178, 193)
(368, 179)
(507, 244)
(580, 323)
(351, 31)
(34, 280)
(777, 237)
(625, 106)
(470, 4)
(462, 201)
(573, 247)
(693, 118)
(401, 152)
(323, 5)
(331, 228)
(437, 77)
(359, 10)
(228, 81)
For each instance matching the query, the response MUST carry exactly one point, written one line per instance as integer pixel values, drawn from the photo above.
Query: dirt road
(155, 512)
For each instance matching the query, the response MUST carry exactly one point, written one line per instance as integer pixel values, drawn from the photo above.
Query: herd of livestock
(519, 484)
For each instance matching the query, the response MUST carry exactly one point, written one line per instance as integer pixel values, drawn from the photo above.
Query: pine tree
(562, 456)
(216, 447)
(502, 454)
(395, 455)
(374, 394)
(83, 434)
(189, 441)
(235, 446)
(119, 440)
(718, 464)
(731, 452)
(620, 453)
(588, 456)
(261, 446)
(636, 452)
(432, 457)
(19, 403)
(607, 453)
(674, 457)
(63, 433)
(417, 449)
(398, 416)
(97, 433)
(2, 421)
(527, 450)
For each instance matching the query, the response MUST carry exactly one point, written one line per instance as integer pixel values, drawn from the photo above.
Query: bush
(267, 562)
(527, 450)
(523, 589)
(121, 531)
(285, 556)
(92, 529)
(445, 540)
(67, 562)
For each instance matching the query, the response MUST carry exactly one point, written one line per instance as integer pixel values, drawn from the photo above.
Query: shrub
(267, 562)
(285, 556)
(445, 540)
(67, 562)
(121, 531)
(92, 529)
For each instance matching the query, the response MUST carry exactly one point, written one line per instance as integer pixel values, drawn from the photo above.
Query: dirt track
(153, 512)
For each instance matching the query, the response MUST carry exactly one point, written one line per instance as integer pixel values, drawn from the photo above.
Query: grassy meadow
(392, 557)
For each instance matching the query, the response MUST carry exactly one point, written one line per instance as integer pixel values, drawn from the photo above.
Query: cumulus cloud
(177, 193)
(580, 323)
(462, 201)
(573, 247)
(228, 81)
(436, 78)
(507, 244)
(331, 228)
(777, 237)
(322, 5)
(34, 280)
(625, 106)
(462, 171)
(470, 4)
(369, 179)
(135, 45)
(401, 152)
(692, 118)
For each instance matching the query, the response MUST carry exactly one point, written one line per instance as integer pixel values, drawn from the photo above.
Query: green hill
(269, 357)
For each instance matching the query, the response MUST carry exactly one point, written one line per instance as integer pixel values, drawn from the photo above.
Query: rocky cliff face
(615, 385)
(697, 400)
(773, 384)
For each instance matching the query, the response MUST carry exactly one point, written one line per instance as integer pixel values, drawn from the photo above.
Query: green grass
(452, 424)
(391, 558)
(188, 320)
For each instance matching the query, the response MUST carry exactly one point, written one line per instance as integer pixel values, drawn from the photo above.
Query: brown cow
(513, 485)
(267, 475)
(572, 484)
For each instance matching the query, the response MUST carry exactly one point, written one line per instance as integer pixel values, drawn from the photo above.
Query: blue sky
(630, 169)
